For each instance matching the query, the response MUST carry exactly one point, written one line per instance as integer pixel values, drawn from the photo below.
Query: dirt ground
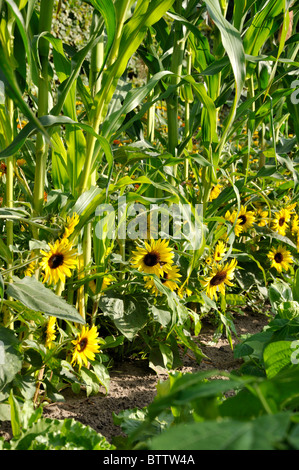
(133, 383)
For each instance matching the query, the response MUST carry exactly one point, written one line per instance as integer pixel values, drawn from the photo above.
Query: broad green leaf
(5, 252)
(102, 374)
(277, 355)
(263, 433)
(295, 287)
(15, 415)
(161, 316)
(34, 295)
(279, 292)
(129, 313)
(288, 309)
(235, 299)
(55, 434)
(11, 359)
(167, 355)
(91, 381)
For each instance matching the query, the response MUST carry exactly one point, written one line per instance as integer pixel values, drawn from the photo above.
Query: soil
(133, 383)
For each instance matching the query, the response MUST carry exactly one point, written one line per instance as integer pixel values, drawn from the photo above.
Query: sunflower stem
(38, 384)
(80, 295)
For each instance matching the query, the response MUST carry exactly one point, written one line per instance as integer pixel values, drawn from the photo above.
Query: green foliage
(161, 103)
(33, 432)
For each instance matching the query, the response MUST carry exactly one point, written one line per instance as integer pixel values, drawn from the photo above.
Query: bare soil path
(133, 383)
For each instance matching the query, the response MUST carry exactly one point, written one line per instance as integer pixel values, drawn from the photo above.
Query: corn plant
(166, 104)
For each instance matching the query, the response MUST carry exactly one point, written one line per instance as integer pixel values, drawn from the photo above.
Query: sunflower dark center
(281, 221)
(243, 219)
(278, 257)
(218, 278)
(82, 345)
(151, 259)
(55, 261)
(164, 278)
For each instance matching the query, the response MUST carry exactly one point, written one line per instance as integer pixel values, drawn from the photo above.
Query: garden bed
(133, 383)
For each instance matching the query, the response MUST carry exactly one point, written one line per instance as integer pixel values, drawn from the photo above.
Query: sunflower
(155, 258)
(30, 268)
(281, 258)
(280, 222)
(107, 280)
(245, 219)
(291, 207)
(169, 279)
(219, 251)
(50, 332)
(220, 276)
(231, 217)
(209, 260)
(295, 225)
(262, 217)
(86, 345)
(184, 291)
(215, 191)
(58, 262)
(71, 224)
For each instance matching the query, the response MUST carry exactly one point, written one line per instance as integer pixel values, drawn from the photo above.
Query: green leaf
(102, 374)
(295, 287)
(1, 289)
(189, 387)
(22, 28)
(54, 434)
(161, 316)
(262, 433)
(91, 381)
(11, 359)
(49, 122)
(202, 95)
(279, 291)
(288, 310)
(107, 10)
(233, 45)
(34, 295)
(277, 355)
(235, 299)
(5, 252)
(261, 27)
(133, 99)
(129, 313)
(167, 355)
(15, 415)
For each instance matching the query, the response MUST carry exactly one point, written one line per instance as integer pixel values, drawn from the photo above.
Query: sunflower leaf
(36, 296)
